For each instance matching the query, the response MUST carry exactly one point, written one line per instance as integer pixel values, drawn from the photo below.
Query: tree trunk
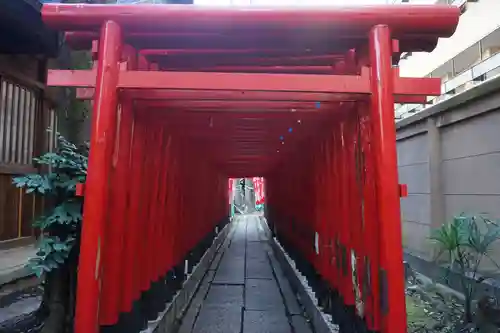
(57, 302)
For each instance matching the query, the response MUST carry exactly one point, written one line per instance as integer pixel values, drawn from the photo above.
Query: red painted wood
(80, 190)
(386, 178)
(116, 263)
(439, 21)
(275, 83)
(97, 185)
(403, 190)
(183, 95)
(315, 116)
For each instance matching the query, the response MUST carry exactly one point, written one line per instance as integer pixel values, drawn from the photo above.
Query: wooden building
(25, 112)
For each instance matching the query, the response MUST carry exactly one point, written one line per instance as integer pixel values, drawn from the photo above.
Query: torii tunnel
(185, 97)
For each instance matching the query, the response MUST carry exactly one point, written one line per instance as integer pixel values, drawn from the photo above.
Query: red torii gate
(197, 79)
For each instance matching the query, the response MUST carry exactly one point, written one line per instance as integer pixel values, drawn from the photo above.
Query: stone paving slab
(253, 234)
(256, 250)
(265, 322)
(235, 252)
(224, 295)
(218, 320)
(13, 263)
(230, 272)
(259, 269)
(263, 295)
(247, 294)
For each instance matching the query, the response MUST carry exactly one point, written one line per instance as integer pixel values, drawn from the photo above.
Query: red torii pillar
(97, 189)
(393, 308)
(118, 218)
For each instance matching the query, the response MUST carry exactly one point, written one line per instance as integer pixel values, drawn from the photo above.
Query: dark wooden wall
(17, 210)
(24, 117)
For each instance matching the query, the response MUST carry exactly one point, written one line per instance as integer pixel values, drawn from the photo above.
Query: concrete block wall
(413, 165)
(449, 156)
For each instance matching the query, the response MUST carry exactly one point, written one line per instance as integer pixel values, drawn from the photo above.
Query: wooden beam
(243, 82)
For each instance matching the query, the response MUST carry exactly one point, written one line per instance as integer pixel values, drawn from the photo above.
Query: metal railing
(475, 75)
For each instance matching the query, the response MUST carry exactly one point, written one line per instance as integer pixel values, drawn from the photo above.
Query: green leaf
(53, 252)
(40, 222)
(67, 213)
(20, 181)
(33, 182)
(68, 165)
(58, 257)
(38, 271)
(45, 267)
(59, 246)
(52, 264)
(464, 242)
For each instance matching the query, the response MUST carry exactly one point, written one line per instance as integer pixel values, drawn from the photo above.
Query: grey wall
(413, 162)
(449, 156)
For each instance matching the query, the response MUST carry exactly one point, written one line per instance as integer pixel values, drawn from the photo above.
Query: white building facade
(469, 57)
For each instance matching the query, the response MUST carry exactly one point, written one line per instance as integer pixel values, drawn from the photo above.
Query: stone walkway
(13, 263)
(245, 290)
(20, 295)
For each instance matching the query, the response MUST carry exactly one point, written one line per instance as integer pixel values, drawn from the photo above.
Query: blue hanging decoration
(290, 130)
(318, 105)
(282, 138)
